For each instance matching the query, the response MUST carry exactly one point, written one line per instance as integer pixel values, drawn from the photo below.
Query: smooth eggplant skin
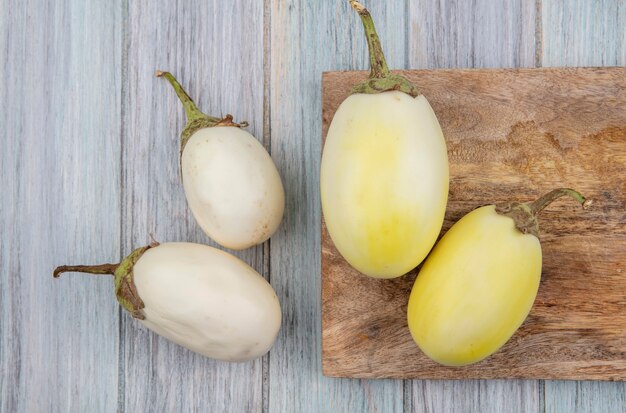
(384, 182)
(232, 186)
(475, 289)
(207, 300)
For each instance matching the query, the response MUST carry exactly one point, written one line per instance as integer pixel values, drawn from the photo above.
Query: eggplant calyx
(525, 214)
(125, 288)
(123, 273)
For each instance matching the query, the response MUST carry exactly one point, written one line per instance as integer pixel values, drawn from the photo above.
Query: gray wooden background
(89, 141)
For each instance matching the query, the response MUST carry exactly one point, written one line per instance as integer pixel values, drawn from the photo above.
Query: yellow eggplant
(384, 171)
(479, 283)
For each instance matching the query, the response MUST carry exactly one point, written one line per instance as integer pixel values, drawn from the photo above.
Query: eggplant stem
(196, 120)
(380, 79)
(102, 269)
(547, 199)
(378, 63)
(191, 109)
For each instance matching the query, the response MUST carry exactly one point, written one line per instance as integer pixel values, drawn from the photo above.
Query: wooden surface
(88, 170)
(512, 134)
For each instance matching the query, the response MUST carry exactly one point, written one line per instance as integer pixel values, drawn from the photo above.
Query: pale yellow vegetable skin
(384, 170)
(384, 182)
(475, 289)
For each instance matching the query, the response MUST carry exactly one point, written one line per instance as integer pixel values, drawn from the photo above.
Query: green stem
(378, 63)
(196, 120)
(108, 269)
(123, 272)
(191, 109)
(547, 199)
(380, 79)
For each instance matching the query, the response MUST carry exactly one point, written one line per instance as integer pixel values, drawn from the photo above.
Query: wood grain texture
(217, 55)
(306, 38)
(504, 396)
(481, 33)
(458, 34)
(584, 396)
(511, 134)
(584, 33)
(59, 174)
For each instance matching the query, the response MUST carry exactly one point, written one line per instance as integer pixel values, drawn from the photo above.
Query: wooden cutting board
(511, 135)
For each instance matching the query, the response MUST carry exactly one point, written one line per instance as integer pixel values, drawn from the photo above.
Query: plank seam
(407, 396)
(267, 142)
(407, 35)
(538, 34)
(121, 365)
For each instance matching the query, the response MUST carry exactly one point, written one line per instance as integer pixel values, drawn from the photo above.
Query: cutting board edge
(488, 69)
(342, 375)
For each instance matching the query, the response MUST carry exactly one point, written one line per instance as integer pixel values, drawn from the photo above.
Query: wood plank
(217, 53)
(306, 38)
(482, 33)
(452, 34)
(59, 174)
(475, 396)
(511, 134)
(584, 33)
(584, 396)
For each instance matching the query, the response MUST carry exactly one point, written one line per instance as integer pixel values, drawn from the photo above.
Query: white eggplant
(384, 171)
(231, 183)
(197, 296)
